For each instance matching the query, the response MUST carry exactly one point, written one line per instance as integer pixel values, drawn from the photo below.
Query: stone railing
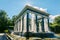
(16, 37)
(9, 37)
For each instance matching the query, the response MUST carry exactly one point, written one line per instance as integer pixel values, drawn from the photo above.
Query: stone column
(36, 23)
(40, 30)
(18, 26)
(46, 25)
(21, 25)
(33, 24)
(43, 30)
(30, 16)
(25, 23)
(27, 26)
(15, 28)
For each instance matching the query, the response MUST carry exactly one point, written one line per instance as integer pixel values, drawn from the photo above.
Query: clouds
(41, 9)
(52, 17)
(45, 10)
(28, 2)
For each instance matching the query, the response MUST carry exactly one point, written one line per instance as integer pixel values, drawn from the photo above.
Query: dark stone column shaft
(42, 24)
(27, 26)
(37, 24)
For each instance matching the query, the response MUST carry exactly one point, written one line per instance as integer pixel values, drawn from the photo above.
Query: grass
(6, 31)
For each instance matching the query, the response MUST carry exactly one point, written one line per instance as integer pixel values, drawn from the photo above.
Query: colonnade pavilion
(33, 20)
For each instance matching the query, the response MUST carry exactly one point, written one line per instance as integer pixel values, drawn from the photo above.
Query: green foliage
(55, 26)
(6, 31)
(13, 19)
(57, 21)
(5, 21)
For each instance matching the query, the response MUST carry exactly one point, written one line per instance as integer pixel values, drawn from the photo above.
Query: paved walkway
(3, 36)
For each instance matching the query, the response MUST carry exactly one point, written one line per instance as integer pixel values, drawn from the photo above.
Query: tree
(57, 20)
(55, 26)
(11, 22)
(3, 20)
(13, 19)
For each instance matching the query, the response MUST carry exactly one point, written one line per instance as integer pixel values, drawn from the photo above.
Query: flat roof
(28, 7)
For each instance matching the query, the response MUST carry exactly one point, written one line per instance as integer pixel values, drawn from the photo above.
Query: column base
(41, 35)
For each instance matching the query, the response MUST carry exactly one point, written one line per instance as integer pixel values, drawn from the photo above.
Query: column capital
(28, 11)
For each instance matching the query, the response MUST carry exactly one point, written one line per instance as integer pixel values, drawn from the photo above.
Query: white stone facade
(21, 23)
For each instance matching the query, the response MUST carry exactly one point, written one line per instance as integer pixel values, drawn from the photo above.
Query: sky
(14, 7)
